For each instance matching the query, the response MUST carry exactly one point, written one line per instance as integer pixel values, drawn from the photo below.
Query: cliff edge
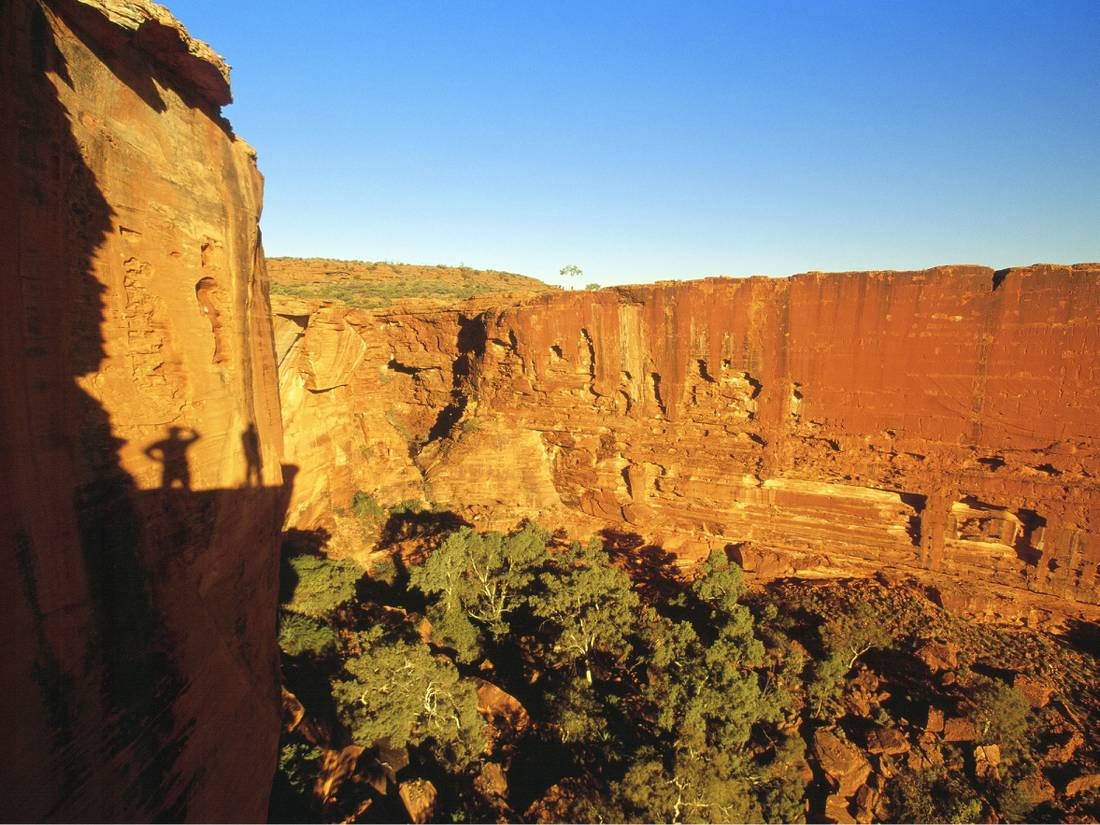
(141, 442)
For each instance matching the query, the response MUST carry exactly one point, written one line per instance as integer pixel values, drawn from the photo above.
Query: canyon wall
(140, 444)
(943, 422)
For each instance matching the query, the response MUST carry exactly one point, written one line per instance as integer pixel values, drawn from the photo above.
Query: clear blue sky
(670, 139)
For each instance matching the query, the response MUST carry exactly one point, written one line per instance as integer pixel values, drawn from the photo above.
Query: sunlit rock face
(945, 422)
(140, 450)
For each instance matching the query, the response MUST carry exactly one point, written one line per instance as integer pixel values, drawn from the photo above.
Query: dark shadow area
(472, 337)
(254, 463)
(171, 452)
(405, 525)
(652, 568)
(130, 608)
(1084, 636)
(918, 502)
(1025, 548)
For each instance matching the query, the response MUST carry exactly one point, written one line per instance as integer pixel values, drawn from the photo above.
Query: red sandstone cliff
(945, 421)
(140, 443)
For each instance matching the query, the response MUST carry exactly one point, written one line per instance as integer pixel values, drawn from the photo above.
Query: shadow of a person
(250, 439)
(172, 453)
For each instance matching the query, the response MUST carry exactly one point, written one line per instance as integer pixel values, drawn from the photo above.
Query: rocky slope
(141, 439)
(944, 421)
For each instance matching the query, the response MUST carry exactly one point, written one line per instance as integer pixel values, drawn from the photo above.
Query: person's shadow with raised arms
(172, 453)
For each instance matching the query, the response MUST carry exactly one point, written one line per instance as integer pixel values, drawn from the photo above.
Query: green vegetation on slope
(700, 700)
(373, 285)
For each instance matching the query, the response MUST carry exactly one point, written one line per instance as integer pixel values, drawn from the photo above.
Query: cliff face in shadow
(140, 438)
(944, 422)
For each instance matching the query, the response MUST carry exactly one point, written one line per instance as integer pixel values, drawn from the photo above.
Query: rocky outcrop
(141, 440)
(944, 421)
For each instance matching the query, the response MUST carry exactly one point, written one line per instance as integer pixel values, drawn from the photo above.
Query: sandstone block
(887, 740)
(419, 797)
(959, 729)
(1083, 783)
(939, 656)
(842, 762)
(1036, 691)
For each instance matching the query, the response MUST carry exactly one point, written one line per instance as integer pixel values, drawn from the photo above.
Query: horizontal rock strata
(945, 421)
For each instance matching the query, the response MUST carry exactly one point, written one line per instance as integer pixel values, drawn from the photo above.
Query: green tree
(299, 764)
(318, 585)
(710, 786)
(396, 691)
(589, 606)
(845, 638)
(782, 793)
(571, 271)
(300, 634)
(705, 691)
(475, 580)
(577, 714)
(366, 507)
(932, 795)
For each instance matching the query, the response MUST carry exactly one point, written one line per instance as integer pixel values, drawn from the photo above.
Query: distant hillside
(370, 285)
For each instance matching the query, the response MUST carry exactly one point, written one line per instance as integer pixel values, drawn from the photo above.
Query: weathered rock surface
(842, 762)
(138, 586)
(945, 421)
(419, 796)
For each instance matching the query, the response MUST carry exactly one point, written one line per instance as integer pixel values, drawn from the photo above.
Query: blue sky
(654, 140)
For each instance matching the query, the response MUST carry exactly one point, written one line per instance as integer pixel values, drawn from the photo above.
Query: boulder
(557, 802)
(1083, 783)
(491, 780)
(959, 729)
(843, 763)
(927, 754)
(933, 720)
(887, 740)
(507, 719)
(418, 796)
(1036, 691)
(836, 810)
(939, 656)
(866, 800)
(293, 711)
(1064, 746)
(1036, 788)
(337, 767)
(986, 760)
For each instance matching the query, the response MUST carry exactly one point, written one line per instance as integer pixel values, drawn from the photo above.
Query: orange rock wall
(140, 569)
(944, 421)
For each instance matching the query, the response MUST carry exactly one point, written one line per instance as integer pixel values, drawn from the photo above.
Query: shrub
(592, 286)
(322, 584)
(366, 507)
(300, 634)
(299, 765)
(409, 506)
(1002, 716)
(932, 795)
